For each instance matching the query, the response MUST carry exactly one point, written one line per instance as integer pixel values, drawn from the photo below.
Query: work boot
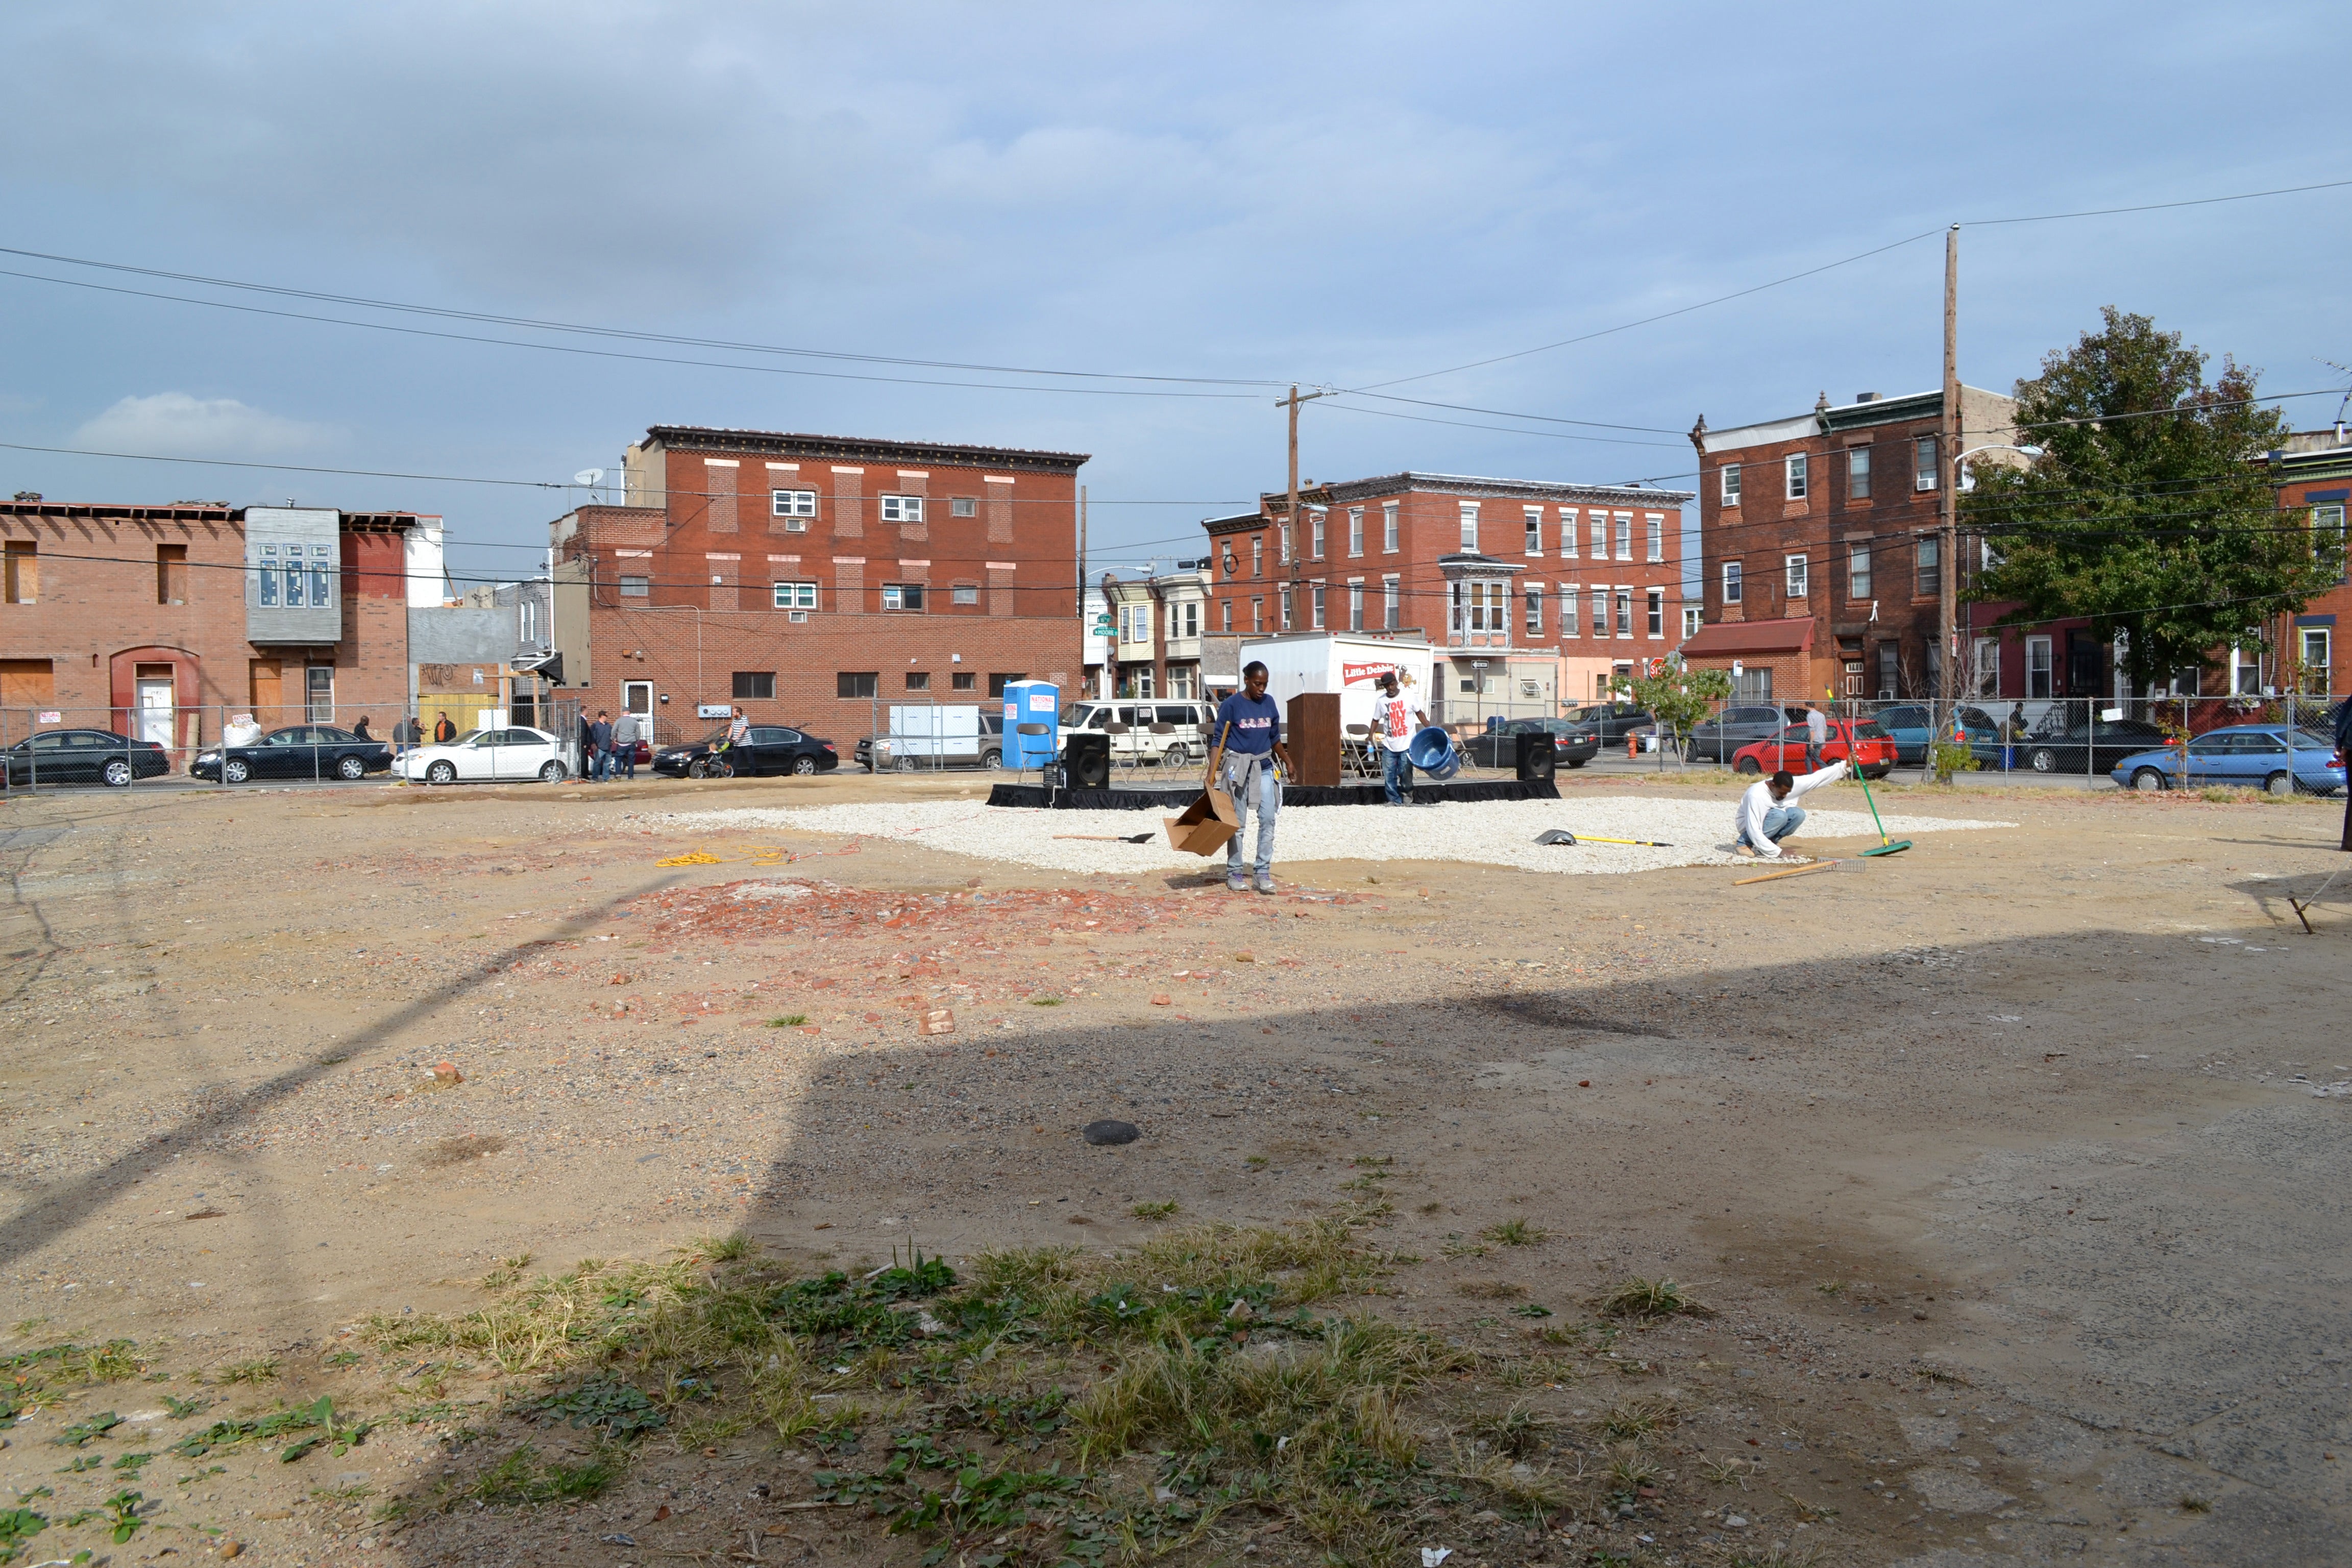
(1743, 851)
(1265, 884)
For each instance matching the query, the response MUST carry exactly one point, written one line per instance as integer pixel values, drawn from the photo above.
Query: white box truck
(1350, 663)
(924, 736)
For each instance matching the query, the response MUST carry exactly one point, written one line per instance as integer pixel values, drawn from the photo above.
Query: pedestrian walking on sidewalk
(624, 745)
(1394, 719)
(1769, 811)
(1817, 732)
(360, 730)
(1250, 723)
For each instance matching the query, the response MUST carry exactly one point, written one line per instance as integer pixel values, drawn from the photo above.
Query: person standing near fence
(443, 732)
(1394, 719)
(1817, 735)
(624, 745)
(2344, 749)
(360, 730)
(600, 742)
(1249, 722)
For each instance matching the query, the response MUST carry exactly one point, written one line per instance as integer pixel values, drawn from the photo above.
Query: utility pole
(1082, 556)
(1947, 567)
(1291, 520)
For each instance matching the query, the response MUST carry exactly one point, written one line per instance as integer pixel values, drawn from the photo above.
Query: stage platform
(1174, 797)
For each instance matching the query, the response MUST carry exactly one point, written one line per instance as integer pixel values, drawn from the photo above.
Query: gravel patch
(1494, 833)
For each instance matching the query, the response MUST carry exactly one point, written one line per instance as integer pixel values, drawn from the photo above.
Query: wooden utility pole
(1082, 557)
(1948, 568)
(1290, 519)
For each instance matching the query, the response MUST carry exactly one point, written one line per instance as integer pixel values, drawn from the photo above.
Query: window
(1535, 610)
(2328, 534)
(858, 683)
(1257, 555)
(1390, 613)
(1888, 670)
(1356, 606)
(318, 575)
(964, 593)
(1601, 536)
(1624, 536)
(1228, 615)
(1567, 533)
(1690, 622)
(1258, 615)
(1315, 607)
(2037, 668)
(1731, 472)
(319, 685)
(1355, 530)
(1285, 542)
(265, 580)
(1731, 582)
(798, 506)
(963, 506)
(1624, 612)
(1930, 576)
(755, 685)
(1752, 686)
(1285, 595)
(1190, 617)
(1316, 518)
(902, 508)
(1923, 463)
(902, 595)
(1388, 545)
(171, 576)
(1857, 573)
(1655, 620)
(919, 681)
(961, 680)
(998, 680)
(1795, 476)
(632, 587)
(1600, 612)
(1569, 625)
(1534, 531)
(1857, 473)
(2245, 670)
(1657, 522)
(527, 621)
(1986, 682)
(24, 573)
(795, 595)
(290, 576)
(2316, 657)
(1470, 527)
(1796, 570)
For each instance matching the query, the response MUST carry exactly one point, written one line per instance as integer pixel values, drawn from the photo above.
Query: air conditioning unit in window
(797, 618)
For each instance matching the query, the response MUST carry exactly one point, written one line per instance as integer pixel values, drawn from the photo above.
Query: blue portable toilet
(1031, 702)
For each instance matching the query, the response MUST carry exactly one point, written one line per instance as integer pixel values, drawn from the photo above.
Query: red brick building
(1533, 592)
(2315, 474)
(815, 578)
(152, 621)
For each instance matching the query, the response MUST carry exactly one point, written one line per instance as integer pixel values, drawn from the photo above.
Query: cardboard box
(1206, 823)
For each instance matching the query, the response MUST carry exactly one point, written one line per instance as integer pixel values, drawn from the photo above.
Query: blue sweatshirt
(1255, 725)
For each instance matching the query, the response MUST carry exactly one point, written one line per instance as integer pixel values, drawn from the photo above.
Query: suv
(1171, 731)
(1614, 720)
(987, 750)
(1742, 724)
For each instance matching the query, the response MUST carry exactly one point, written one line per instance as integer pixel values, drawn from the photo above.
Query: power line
(2157, 207)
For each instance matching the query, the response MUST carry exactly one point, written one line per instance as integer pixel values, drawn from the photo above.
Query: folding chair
(1160, 727)
(1024, 730)
(1115, 730)
(1355, 752)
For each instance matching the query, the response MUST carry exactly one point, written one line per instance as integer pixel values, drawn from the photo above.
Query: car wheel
(2045, 759)
(351, 768)
(441, 774)
(2148, 781)
(552, 773)
(236, 770)
(906, 764)
(116, 775)
(803, 766)
(992, 761)
(1177, 756)
(1577, 762)
(1747, 766)
(2279, 782)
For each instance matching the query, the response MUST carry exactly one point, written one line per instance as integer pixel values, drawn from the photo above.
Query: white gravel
(1496, 832)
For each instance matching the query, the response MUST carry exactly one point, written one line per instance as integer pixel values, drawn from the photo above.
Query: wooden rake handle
(1776, 876)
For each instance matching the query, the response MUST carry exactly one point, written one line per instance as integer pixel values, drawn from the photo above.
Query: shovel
(1107, 838)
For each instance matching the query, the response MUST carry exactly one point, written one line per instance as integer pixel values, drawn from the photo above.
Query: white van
(1173, 731)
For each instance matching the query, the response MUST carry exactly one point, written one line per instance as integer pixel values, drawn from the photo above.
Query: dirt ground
(2013, 1167)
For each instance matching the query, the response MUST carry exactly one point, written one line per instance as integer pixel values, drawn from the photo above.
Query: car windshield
(1870, 731)
(468, 736)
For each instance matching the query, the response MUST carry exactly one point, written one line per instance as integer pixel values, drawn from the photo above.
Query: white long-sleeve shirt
(1758, 800)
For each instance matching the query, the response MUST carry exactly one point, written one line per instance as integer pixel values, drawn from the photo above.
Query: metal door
(154, 722)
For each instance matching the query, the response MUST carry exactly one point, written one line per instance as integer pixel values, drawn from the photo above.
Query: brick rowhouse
(814, 579)
(1534, 592)
(2313, 471)
(149, 620)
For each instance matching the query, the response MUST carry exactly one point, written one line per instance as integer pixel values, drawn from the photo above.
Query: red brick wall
(2335, 602)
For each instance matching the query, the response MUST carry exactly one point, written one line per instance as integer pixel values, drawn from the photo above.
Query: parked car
(1911, 726)
(296, 751)
(768, 749)
(84, 756)
(2253, 756)
(984, 750)
(1715, 740)
(1870, 748)
(1572, 744)
(1614, 721)
(2098, 745)
(487, 756)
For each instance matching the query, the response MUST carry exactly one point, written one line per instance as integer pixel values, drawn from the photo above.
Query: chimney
(1866, 398)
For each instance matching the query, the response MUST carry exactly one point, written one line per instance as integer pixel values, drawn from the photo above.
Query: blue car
(2249, 756)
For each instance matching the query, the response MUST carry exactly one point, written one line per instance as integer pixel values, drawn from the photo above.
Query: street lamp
(1949, 571)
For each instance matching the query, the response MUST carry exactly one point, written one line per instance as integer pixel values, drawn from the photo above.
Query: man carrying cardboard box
(1250, 723)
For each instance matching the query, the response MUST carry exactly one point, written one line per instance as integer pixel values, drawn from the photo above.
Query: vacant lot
(1979, 1204)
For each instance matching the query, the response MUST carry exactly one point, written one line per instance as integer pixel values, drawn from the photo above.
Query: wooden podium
(1311, 731)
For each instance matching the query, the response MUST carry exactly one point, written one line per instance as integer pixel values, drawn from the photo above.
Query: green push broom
(1886, 845)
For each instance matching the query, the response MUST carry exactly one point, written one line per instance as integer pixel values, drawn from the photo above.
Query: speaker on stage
(1535, 761)
(1088, 760)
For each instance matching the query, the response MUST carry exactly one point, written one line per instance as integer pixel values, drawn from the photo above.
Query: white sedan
(486, 755)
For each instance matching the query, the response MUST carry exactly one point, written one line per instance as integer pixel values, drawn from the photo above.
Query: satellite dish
(588, 476)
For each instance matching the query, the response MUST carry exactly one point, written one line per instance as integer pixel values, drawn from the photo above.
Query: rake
(1886, 845)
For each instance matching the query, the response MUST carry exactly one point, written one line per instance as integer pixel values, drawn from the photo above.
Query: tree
(1674, 694)
(2148, 512)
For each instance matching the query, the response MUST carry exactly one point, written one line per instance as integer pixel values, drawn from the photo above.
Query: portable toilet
(1031, 702)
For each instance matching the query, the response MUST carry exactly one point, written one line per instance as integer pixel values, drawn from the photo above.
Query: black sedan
(1614, 720)
(2101, 745)
(769, 749)
(1715, 740)
(1572, 744)
(296, 751)
(84, 756)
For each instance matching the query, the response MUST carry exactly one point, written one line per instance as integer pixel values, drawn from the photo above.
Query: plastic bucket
(1431, 751)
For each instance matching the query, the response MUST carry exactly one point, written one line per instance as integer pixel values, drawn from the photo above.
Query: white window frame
(1282, 595)
(1316, 518)
(963, 506)
(1355, 603)
(1624, 535)
(1535, 598)
(1985, 668)
(1690, 622)
(2040, 665)
(1857, 473)
(1729, 492)
(1624, 607)
(1257, 554)
(1656, 523)
(1391, 608)
(1355, 530)
(1926, 464)
(1469, 528)
(1599, 536)
(1533, 516)
(1568, 526)
(1228, 614)
(2316, 672)
(963, 594)
(795, 506)
(893, 597)
(1857, 573)
(2327, 524)
(1599, 611)
(1797, 477)
(1654, 612)
(1257, 614)
(1927, 565)
(1797, 582)
(791, 594)
(1391, 529)
(1732, 585)
(1284, 543)
(1315, 606)
(901, 508)
(633, 586)
(1571, 598)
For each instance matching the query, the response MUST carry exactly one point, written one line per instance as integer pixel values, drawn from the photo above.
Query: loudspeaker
(1088, 760)
(1536, 759)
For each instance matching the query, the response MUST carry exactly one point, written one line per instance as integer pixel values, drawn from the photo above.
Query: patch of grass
(133, 1463)
(56, 1366)
(620, 1409)
(1456, 1247)
(343, 1358)
(1514, 1233)
(508, 1274)
(789, 1021)
(1640, 1298)
(261, 1369)
(1530, 1310)
(1256, 1162)
(1045, 1001)
(350, 1491)
(727, 1249)
(17, 1527)
(1373, 1162)
(1490, 1290)
(1167, 1210)
(522, 1476)
(1830, 1287)
(1517, 1431)
(2191, 1503)
(1724, 1472)
(81, 1432)
(1637, 1418)
(318, 1418)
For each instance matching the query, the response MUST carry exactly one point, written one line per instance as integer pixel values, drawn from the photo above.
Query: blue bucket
(1431, 751)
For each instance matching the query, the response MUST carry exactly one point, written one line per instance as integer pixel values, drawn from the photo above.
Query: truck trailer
(1350, 663)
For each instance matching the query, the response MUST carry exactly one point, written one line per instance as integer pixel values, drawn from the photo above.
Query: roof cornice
(780, 443)
(1482, 486)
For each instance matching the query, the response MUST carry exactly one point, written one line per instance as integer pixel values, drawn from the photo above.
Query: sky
(1227, 197)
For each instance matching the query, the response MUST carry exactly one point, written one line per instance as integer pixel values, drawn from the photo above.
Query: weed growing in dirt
(1168, 1210)
(81, 1432)
(1637, 1418)
(261, 1369)
(1514, 1233)
(1639, 1297)
(789, 1021)
(523, 1478)
(17, 1527)
(1045, 1001)
(2193, 1504)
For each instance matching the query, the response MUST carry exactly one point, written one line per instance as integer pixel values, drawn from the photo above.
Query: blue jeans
(1779, 822)
(1396, 772)
(601, 770)
(626, 758)
(1263, 795)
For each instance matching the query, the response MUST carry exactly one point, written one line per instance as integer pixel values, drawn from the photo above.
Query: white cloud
(176, 425)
